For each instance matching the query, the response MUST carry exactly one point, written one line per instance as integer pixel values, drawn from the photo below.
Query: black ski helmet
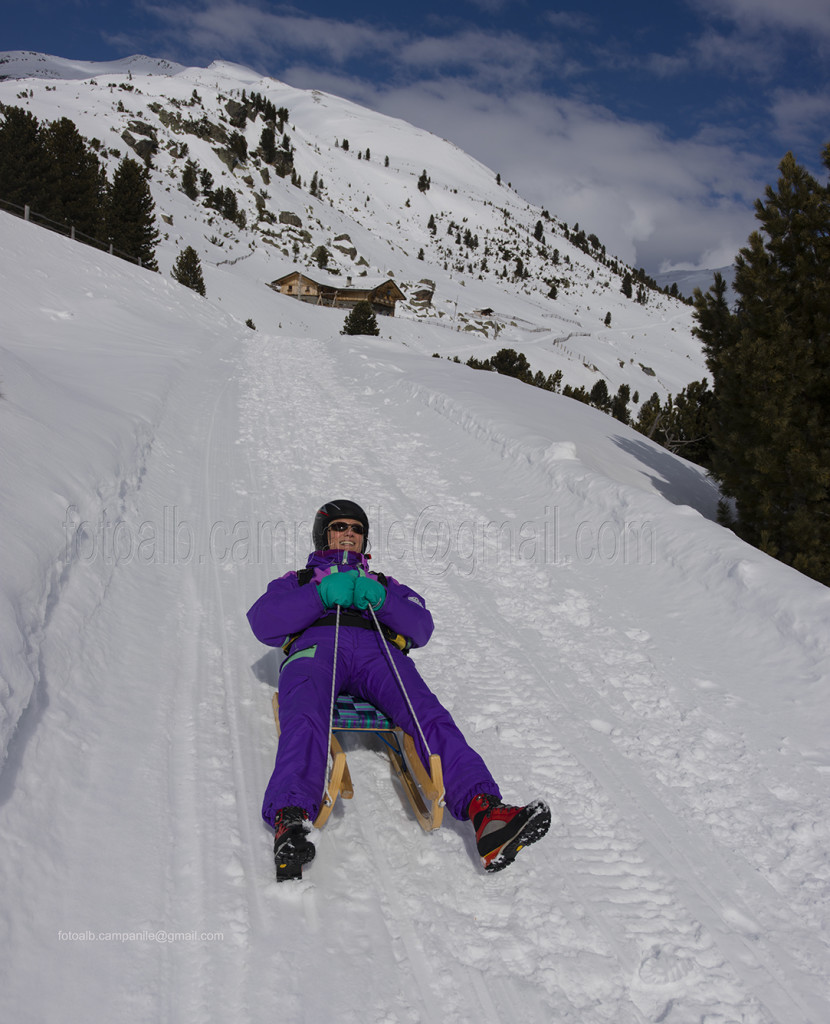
(329, 513)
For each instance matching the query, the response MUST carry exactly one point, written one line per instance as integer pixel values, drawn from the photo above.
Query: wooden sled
(424, 789)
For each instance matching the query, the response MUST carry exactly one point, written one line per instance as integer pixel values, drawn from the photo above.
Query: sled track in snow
(618, 884)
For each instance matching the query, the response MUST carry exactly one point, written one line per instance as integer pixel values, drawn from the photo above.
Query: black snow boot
(292, 847)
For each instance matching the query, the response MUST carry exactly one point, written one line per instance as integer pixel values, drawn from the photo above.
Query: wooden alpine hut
(383, 295)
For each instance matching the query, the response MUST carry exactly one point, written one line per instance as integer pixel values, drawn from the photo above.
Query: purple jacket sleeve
(283, 609)
(405, 611)
(287, 608)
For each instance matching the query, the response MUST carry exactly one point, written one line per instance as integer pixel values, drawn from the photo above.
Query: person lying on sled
(298, 610)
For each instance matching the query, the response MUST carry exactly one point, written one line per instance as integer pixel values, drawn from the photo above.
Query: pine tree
(770, 363)
(28, 171)
(238, 145)
(688, 427)
(284, 159)
(649, 417)
(131, 224)
(190, 181)
(361, 320)
(600, 398)
(268, 144)
(627, 286)
(511, 363)
(82, 183)
(187, 270)
(619, 404)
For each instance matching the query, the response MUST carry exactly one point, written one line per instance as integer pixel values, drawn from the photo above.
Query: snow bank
(90, 349)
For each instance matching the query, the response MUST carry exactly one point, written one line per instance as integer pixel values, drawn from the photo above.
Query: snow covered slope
(369, 215)
(602, 642)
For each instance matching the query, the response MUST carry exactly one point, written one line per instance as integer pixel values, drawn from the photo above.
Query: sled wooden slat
(423, 788)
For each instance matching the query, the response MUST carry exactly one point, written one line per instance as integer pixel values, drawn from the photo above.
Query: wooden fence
(68, 230)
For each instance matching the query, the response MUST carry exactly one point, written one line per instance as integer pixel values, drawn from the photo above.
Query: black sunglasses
(342, 527)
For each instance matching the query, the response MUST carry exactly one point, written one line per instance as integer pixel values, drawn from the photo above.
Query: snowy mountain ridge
(370, 217)
(599, 638)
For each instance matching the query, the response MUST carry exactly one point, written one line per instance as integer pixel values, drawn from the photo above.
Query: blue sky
(654, 125)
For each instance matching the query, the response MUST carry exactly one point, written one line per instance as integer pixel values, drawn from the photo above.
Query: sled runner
(424, 788)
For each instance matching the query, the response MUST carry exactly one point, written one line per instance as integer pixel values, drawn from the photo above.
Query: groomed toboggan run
(600, 639)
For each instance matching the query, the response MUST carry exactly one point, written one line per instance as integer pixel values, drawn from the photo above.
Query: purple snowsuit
(363, 670)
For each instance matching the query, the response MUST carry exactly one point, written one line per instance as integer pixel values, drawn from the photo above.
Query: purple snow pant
(363, 670)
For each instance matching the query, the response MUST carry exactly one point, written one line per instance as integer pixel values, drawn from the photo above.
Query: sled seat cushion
(353, 713)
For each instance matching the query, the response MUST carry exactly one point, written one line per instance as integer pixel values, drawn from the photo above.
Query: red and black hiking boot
(501, 830)
(292, 847)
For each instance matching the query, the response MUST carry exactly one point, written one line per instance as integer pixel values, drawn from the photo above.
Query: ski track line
(232, 696)
(234, 818)
(197, 983)
(183, 986)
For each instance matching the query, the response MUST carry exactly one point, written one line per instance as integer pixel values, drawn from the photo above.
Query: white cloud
(571, 20)
(267, 33)
(737, 54)
(506, 57)
(667, 66)
(798, 115)
(794, 15)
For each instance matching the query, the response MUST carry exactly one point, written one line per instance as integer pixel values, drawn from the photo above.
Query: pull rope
(397, 674)
(327, 797)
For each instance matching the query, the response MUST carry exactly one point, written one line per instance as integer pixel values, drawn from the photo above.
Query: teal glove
(369, 592)
(338, 588)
